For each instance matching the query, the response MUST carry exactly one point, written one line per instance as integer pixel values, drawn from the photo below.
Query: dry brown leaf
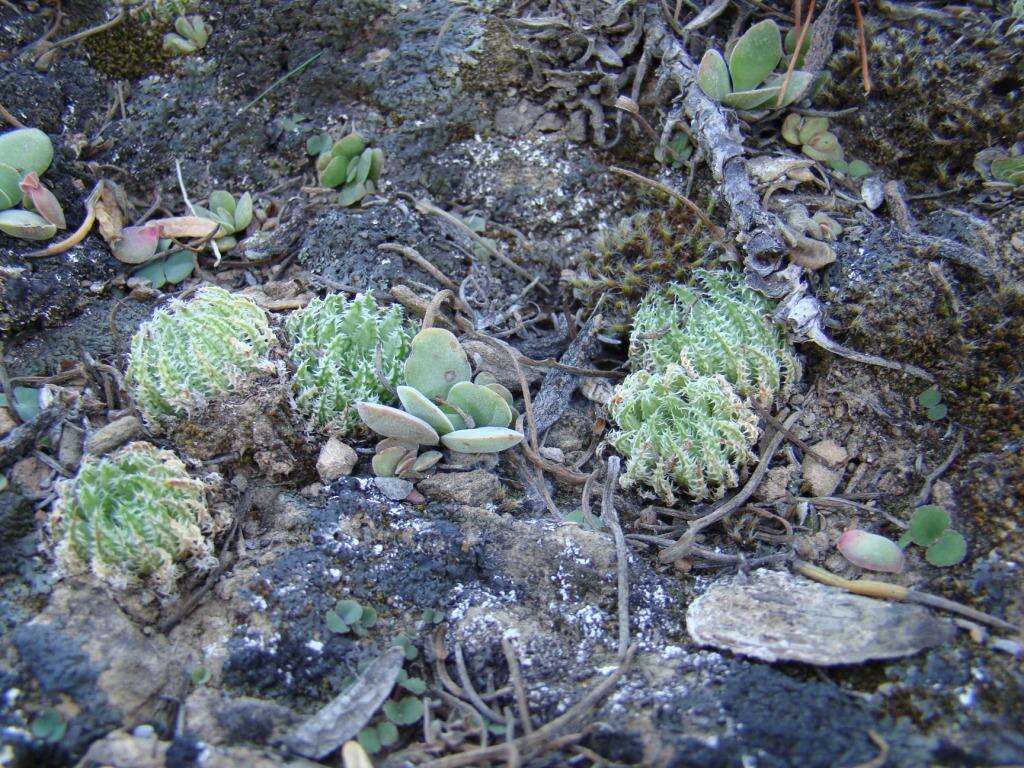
(109, 215)
(186, 226)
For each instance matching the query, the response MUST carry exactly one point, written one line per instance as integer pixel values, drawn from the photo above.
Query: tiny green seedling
(232, 215)
(373, 738)
(931, 401)
(200, 676)
(414, 685)
(26, 402)
(929, 528)
(172, 269)
(349, 616)
(410, 650)
(49, 726)
(815, 140)
(192, 35)
(593, 524)
(676, 152)
(405, 711)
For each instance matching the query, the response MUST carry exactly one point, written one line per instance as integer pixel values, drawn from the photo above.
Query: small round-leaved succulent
(441, 406)
(681, 431)
(194, 351)
(334, 351)
(135, 516)
(716, 325)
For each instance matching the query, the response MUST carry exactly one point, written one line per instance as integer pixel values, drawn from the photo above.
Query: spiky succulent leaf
(334, 345)
(196, 350)
(717, 325)
(135, 515)
(681, 432)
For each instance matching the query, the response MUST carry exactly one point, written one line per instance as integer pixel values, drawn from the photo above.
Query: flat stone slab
(776, 616)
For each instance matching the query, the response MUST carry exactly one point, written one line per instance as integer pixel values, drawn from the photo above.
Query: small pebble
(336, 459)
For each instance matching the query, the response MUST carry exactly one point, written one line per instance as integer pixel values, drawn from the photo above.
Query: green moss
(972, 82)
(130, 50)
(627, 259)
(134, 516)
(334, 346)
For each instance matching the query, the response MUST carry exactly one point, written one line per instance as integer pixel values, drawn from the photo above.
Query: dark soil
(480, 114)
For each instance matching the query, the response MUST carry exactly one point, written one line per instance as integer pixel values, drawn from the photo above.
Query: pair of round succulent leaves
(25, 154)
(442, 405)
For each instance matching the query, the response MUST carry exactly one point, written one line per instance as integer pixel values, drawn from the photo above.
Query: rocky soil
(476, 114)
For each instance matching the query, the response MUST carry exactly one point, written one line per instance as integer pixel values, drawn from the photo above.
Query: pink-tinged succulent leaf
(43, 200)
(137, 244)
(871, 551)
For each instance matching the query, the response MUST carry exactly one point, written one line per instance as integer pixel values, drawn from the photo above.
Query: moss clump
(973, 84)
(129, 50)
(334, 351)
(680, 431)
(627, 259)
(195, 350)
(715, 326)
(131, 517)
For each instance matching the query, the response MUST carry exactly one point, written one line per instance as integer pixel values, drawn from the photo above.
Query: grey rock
(474, 489)
(336, 459)
(345, 715)
(395, 488)
(69, 452)
(775, 616)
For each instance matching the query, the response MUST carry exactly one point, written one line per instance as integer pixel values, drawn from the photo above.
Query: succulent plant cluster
(195, 350)
(135, 515)
(699, 354)
(626, 259)
(232, 215)
(749, 80)
(190, 35)
(25, 154)
(442, 406)
(715, 325)
(815, 140)
(334, 345)
(349, 164)
(681, 431)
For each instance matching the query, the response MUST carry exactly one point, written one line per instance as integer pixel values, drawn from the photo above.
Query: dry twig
(611, 519)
